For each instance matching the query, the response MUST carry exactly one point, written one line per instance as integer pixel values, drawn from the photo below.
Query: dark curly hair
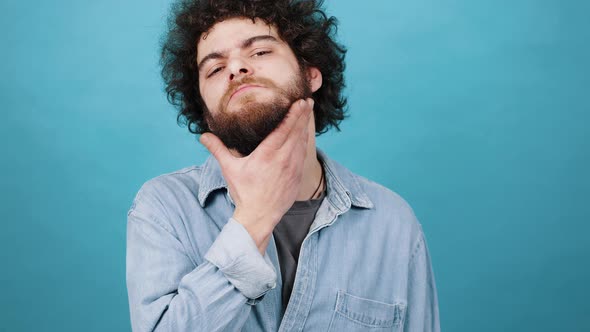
(302, 24)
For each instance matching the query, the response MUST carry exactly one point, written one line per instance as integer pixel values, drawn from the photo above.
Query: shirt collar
(344, 189)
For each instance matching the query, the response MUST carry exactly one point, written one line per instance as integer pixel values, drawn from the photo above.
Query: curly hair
(302, 24)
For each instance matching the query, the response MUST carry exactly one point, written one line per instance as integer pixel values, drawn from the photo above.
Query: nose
(238, 67)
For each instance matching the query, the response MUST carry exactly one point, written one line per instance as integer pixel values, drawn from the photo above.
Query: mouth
(242, 89)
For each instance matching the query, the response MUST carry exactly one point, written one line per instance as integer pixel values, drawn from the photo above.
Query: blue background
(476, 112)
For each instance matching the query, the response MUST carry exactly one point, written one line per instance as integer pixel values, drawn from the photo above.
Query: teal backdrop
(476, 112)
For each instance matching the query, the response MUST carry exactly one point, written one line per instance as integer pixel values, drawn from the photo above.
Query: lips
(243, 88)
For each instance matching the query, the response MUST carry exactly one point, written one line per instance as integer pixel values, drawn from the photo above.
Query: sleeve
(168, 292)
(422, 307)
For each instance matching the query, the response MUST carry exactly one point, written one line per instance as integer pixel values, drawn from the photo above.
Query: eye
(260, 53)
(215, 71)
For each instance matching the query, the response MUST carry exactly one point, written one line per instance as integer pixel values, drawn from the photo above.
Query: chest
(349, 277)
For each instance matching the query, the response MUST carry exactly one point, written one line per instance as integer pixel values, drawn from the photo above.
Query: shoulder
(378, 201)
(395, 215)
(391, 209)
(164, 192)
(381, 195)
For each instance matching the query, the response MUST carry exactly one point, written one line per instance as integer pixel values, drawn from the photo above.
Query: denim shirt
(363, 266)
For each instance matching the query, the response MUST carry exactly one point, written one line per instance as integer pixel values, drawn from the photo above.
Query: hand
(265, 184)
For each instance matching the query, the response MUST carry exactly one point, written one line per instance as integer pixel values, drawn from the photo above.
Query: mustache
(234, 85)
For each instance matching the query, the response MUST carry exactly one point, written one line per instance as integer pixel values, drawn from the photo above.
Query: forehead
(228, 34)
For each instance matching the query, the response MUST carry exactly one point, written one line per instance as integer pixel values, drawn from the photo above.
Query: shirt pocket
(353, 313)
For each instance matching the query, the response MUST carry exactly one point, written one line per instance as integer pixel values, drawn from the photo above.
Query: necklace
(319, 184)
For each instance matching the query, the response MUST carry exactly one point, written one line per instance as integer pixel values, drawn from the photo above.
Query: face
(248, 79)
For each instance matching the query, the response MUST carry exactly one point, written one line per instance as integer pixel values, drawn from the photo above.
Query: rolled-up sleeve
(169, 292)
(422, 312)
(235, 253)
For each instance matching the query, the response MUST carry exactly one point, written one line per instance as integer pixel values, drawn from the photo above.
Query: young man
(269, 234)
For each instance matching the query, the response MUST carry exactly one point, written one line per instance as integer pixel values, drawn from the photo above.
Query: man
(269, 234)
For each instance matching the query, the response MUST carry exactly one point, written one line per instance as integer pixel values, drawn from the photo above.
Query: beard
(244, 129)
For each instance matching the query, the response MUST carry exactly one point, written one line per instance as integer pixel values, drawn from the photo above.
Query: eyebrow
(245, 44)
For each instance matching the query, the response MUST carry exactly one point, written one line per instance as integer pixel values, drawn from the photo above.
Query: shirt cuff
(235, 253)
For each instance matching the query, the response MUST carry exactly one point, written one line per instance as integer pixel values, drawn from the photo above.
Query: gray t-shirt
(289, 234)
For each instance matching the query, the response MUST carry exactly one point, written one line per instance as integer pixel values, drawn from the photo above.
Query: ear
(314, 77)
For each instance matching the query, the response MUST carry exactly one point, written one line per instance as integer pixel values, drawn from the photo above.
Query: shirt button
(271, 285)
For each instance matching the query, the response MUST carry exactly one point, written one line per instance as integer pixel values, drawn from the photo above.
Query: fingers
(277, 138)
(216, 147)
(300, 133)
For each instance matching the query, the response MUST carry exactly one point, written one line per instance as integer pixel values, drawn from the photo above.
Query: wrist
(258, 228)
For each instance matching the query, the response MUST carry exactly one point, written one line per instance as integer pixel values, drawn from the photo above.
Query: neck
(312, 169)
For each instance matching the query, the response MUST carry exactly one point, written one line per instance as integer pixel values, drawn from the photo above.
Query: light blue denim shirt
(363, 266)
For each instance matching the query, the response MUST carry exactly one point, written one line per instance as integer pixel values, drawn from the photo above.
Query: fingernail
(302, 103)
(203, 139)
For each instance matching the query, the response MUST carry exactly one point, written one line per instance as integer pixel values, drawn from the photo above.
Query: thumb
(216, 147)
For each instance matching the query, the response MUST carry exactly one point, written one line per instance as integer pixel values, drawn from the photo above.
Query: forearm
(204, 301)
(168, 293)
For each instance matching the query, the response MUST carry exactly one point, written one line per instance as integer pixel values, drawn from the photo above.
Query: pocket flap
(370, 312)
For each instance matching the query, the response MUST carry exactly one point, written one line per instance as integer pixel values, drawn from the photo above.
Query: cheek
(210, 96)
(285, 73)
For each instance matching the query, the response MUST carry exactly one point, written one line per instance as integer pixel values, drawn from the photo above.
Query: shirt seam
(419, 245)
(146, 234)
(149, 216)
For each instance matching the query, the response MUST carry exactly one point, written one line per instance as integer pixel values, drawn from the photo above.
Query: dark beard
(245, 129)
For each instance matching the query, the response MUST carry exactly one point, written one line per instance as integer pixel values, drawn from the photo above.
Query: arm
(422, 309)
(168, 292)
